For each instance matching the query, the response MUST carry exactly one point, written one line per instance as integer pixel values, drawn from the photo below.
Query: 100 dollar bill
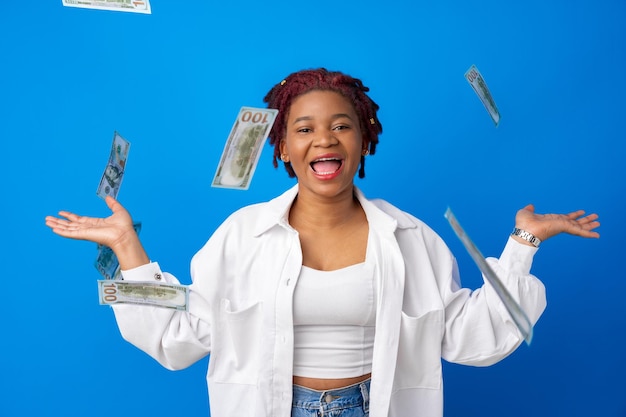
(155, 294)
(243, 148)
(135, 6)
(479, 85)
(515, 310)
(111, 180)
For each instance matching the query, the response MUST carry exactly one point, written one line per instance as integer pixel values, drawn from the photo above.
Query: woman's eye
(342, 127)
(304, 130)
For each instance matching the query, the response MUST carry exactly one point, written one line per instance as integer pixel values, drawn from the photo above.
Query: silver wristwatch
(527, 236)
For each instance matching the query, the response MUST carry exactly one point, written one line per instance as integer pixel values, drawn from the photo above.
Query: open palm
(545, 226)
(107, 231)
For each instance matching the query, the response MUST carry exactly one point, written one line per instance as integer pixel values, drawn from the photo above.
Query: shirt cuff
(517, 257)
(147, 272)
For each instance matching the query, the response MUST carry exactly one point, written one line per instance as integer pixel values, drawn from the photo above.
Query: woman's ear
(365, 147)
(283, 152)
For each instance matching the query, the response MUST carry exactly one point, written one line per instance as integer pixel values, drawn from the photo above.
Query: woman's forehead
(320, 102)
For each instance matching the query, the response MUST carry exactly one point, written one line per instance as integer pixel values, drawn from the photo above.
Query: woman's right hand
(115, 231)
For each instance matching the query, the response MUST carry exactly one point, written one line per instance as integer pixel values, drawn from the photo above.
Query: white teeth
(339, 161)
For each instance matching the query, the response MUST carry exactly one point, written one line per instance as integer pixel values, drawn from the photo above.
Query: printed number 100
(110, 291)
(257, 117)
(472, 75)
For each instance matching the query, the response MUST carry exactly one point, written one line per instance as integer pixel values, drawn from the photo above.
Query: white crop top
(334, 315)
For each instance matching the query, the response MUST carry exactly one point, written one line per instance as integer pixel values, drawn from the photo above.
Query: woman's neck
(316, 212)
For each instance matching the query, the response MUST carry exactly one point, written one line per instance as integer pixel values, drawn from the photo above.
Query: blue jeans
(351, 401)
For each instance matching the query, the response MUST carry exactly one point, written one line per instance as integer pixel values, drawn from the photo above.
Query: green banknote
(135, 6)
(114, 171)
(243, 148)
(517, 314)
(173, 296)
(479, 85)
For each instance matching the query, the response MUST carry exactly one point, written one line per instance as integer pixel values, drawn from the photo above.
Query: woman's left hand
(544, 226)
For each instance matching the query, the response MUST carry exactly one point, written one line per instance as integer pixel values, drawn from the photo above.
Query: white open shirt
(240, 312)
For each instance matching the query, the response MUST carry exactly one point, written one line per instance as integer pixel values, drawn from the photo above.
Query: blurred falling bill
(243, 148)
(479, 85)
(517, 314)
(173, 296)
(106, 263)
(114, 171)
(134, 6)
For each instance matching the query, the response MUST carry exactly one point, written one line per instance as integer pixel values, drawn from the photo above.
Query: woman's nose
(325, 138)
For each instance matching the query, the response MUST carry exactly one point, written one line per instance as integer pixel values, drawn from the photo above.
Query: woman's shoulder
(407, 223)
(405, 219)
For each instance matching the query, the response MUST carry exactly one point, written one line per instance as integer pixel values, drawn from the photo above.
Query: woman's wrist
(130, 253)
(525, 237)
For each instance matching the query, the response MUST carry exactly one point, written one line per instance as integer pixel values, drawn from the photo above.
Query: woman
(320, 301)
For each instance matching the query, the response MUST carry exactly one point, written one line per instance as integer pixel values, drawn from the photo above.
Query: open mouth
(326, 166)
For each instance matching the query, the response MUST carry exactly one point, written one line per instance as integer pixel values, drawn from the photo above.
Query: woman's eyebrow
(333, 117)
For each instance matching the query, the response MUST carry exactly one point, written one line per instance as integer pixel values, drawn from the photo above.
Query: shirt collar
(276, 212)
(378, 212)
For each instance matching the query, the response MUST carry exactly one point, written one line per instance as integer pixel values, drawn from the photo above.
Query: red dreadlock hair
(282, 95)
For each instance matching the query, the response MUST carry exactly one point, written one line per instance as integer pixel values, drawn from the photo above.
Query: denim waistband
(356, 395)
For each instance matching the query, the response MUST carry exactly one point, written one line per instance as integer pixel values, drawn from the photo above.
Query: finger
(65, 231)
(575, 214)
(113, 204)
(78, 220)
(51, 221)
(591, 225)
(70, 216)
(588, 219)
(589, 233)
(56, 222)
(62, 229)
(585, 229)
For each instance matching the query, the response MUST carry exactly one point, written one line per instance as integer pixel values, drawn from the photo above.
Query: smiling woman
(351, 89)
(321, 300)
(323, 143)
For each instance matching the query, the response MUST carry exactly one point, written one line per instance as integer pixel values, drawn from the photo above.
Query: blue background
(172, 84)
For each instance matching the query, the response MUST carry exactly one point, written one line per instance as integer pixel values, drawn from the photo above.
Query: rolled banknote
(243, 148)
(114, 172)
(135, 6)
(517, 314)
(479, 85)
(144, 293)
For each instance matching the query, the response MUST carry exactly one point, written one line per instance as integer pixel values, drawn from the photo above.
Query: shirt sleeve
(176, 339)
(513, 269)
(146, 273)
(479, 329)
(516, 257)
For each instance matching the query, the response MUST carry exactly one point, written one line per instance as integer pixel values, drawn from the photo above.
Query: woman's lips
(327, 166)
